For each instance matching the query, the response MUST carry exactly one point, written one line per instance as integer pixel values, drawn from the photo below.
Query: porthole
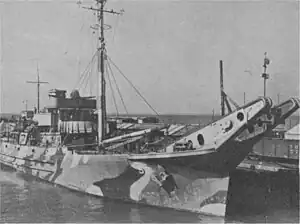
(240, 116)
(200, 139)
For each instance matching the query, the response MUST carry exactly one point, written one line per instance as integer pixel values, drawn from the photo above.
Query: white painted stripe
(94, 190)
(171, 154)
(214, 209)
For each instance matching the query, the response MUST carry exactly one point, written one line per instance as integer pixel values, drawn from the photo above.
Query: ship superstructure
(75, 145)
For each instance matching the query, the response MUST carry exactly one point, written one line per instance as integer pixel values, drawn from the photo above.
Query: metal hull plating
(195, 180)
(220, 161)
(114, 176)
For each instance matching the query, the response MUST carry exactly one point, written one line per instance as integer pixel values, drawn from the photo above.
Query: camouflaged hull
(197, 182)
(114, 176)
(194, 180)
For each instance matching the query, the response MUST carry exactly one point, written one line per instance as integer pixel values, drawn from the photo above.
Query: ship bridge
(69, 115)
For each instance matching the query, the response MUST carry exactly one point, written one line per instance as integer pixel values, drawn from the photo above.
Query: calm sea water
(24, 199)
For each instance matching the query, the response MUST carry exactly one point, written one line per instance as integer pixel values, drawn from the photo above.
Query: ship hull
(115, 176)
(220, 161)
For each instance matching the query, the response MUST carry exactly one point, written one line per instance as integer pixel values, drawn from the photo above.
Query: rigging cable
(80, 44)
(87, 72)
(93, 43)
(117, 86)
(88, 76)
(83, 73)
(112, 91)
(84, 82)
(133, 86)
(91, 80)
(82, 76)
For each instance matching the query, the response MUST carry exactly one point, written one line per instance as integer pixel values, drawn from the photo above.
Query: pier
(260, 166)
(268, 179)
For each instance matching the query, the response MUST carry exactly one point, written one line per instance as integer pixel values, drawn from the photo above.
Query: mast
(101, 56)
(222, 89)
(101, 78)
(38, 82)
(264, 75)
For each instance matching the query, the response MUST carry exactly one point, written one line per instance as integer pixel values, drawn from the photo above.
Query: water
(24, 199)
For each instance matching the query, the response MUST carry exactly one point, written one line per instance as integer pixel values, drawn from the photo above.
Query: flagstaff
(264, 75)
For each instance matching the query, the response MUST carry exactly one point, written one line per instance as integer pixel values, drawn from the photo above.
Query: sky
(170, 50)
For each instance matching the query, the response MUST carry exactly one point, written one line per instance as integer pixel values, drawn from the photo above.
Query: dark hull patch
(119, 187)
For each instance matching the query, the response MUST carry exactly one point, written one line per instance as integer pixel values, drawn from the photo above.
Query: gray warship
(71, 146)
